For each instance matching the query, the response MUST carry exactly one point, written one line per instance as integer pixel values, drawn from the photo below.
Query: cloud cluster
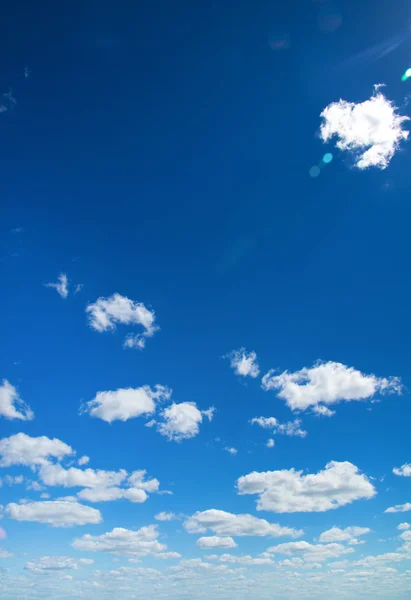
(125, 542)
(290, 428)
(311, 552)
(327, 383)
(372, 130)
(225, 524)
(288, 491)
(244, 363)
(56, 563)
(106, 313)
(11, 405)
(349, 534)
(403, 471)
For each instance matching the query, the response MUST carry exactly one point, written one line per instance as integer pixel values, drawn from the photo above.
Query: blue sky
(159, 158)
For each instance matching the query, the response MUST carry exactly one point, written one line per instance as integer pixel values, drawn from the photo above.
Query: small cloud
(78, 288)
(232, 451)
(244, 363)
(17, 230)
(61, 286)
(270, 443)
(371, 130)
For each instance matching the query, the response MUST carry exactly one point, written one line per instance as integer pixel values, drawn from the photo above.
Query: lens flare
(314, 171)
(327, 158)
(406, 75)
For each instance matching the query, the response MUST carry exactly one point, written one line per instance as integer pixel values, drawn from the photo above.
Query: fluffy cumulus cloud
(244, 363)
(311, 552)
(120, 541)
(289, 491)
(100, 485)
(399, 508)
(106, 313)
(403, 526)
(327, 383)
(228, 524)
(56, 563)
(290, 428)
(126, 403)
(11, 405)
(182, 421)
(166, 516)
(55, 513)
(349, 534)
(61, 286)
(372, 130)
(215, 541)
(21, 449)
(403, 471)
(84, 460)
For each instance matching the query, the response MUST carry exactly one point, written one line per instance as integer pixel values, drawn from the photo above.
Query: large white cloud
(126, 403)
(403, 471)
(311, 552)
(56, 563)
(21, 449)
(223, 523)
(56, 513)
(290, 428)
(349, 534)
(106, 313)
(11, 405)
(182, 421)
(372, 130)
(215, 541)
(399, 508)
(244, 363)
(327, 383)
(142, 542)
(61, 286)
(285, 491)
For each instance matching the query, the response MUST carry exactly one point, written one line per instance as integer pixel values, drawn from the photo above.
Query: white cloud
(142, 542)
(311, 552)
(126, 403)
(21, 449)
(399, 508)
(55, 513)
(270, 443)
(106, 313)
(244, 363)
(215, 541)
(244, 559)
(323, 411)
(84, 460)
(231, 450)
(290, 428)
(228, 524)
(61, 286)
(403, 526)
(182, 421)
(166, 516)
(284, 491)
(372, 130)
(327, 383)
(403, 471)
(100, 485)
(335, 534)
(11, 405)
(5, 554)
(56, 563)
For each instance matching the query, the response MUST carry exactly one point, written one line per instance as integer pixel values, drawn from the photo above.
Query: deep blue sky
(162, 151)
